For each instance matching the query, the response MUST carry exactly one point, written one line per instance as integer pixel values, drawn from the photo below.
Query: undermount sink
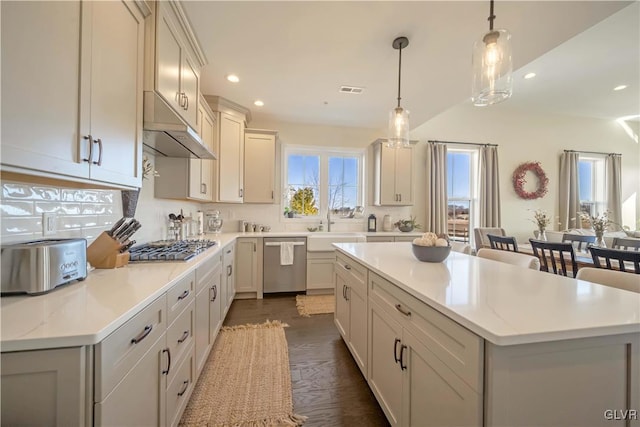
(321, 242)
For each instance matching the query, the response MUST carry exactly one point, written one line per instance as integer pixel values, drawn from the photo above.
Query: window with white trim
(461, 192)
(591, 185)
(319, 178)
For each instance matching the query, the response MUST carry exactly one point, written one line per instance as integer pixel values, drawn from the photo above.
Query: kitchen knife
(119, 235)
(126, 247)
(128, 233)
(116, 225)
(119, 230)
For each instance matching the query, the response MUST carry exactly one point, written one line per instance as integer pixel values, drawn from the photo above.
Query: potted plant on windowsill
(407, 225)
(288, 212)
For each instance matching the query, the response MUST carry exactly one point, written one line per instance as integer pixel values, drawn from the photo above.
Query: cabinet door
(403, 172)
(228, 279)
(388, 193)
(230, 163)
(196, 189)
(320, 273)
(341, 317)
(202, 334)
(44, 387)
(189, 88)
(215, 309)
(358, 327)
(259, 168)
(435, 395)
(139, 399)
(247, 261)
(40, 120)
(168, 59)
(385, 374)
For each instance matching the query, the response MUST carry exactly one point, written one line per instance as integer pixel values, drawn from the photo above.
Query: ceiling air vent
(351, 89)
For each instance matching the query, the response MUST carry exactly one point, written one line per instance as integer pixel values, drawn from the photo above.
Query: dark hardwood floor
(326, 382)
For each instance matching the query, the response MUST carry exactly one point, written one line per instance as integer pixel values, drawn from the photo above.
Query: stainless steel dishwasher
(285, 278)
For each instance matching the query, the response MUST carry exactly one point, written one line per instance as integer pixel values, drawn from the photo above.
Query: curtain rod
(465, 143)
(592, 152)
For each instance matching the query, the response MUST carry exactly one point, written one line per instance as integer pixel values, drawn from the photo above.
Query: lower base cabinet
(320, 271)
(208, 309)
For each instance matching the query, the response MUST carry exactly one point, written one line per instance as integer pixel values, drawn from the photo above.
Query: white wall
(524, 137)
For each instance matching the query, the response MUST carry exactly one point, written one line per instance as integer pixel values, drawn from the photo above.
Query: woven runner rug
(315, 304)
(246, 380)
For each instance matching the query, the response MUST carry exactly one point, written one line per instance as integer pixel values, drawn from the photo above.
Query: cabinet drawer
(379, 238)
(356, 272)
(179, 390)
(457, 347)
(121, 350)
(179, 296)
(208, 273)
(180, 336)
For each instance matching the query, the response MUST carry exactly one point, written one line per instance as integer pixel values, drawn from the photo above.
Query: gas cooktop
(168, 250)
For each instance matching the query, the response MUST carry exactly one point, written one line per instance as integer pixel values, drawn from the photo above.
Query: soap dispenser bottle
(371, 223)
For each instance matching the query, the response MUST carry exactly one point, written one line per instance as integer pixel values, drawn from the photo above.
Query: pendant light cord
(491, 16)
(399, 71)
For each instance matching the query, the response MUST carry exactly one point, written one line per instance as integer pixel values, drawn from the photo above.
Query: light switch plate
(49, 223)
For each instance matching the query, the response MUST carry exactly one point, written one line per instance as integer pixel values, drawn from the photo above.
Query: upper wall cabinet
(259, 165)
(174, 60)
(228, 173)
(72, 75)
(393, 175)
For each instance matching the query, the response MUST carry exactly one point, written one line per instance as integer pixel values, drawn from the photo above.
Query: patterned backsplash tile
(80, 213)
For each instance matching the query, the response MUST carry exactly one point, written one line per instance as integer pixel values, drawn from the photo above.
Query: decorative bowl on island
(431, 248)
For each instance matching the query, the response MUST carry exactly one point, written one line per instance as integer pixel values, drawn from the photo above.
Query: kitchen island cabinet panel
(81, 120)
(46, 387)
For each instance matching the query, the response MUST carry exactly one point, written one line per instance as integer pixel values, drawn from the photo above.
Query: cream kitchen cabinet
(259, 165)
(351, 307)
(393, 175)
(248, 261)
(208, 320)
(172, 70)
(228, 278)
(81, 120)
(228, 172)
(184, 178)
(424, 369)
(320, 272)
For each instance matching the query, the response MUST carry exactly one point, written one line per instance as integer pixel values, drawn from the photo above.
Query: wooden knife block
(104, 252)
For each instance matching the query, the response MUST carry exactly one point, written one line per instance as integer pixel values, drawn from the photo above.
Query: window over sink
(319, 178)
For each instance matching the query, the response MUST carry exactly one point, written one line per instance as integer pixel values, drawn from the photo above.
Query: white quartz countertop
(502, 303)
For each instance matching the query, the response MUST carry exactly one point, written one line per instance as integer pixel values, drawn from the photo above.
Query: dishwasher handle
(279, 243)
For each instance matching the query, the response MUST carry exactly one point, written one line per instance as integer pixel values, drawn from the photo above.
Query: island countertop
(502, 303)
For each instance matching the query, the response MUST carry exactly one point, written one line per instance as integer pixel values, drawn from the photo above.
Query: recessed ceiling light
(233, 78)
(529, 75)
(258, 103)
(620, 87)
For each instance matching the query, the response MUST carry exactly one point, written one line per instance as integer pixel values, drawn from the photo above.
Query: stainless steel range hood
(167, 134)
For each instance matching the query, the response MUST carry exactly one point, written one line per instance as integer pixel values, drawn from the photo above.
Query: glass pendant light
(399, 117)
(492, 66)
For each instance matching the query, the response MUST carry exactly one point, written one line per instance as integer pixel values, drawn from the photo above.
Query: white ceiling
(295, 55)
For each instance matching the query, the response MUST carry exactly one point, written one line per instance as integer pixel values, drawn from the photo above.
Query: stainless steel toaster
(39, 266)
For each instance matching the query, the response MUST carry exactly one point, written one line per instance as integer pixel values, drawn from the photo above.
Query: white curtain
(436, 211)
(569, 191)
(613, 183)
(489, 200)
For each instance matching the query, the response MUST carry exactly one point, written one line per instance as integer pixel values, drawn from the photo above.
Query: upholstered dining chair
(616, 279)
(622, 258)
(553, 256)
(522, 260)
(628, 244)
(580, 242)
(504, 243)
(480, 238)
(463, 248)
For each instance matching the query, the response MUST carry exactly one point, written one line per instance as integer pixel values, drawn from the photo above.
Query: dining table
(583, 257)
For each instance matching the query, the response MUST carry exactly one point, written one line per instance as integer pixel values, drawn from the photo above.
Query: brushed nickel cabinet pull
(214, 288)
(185, 386)
(145, 332)
(271, 194)
(183, 295)
(406, 313)
(184, 337)
(395, 350)
(166, 371)
(90, 138)
(347, 266)
(402, 349)
(99, 142)
(186, 105)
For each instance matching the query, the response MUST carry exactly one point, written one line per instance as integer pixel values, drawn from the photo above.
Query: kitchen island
(471, 341)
